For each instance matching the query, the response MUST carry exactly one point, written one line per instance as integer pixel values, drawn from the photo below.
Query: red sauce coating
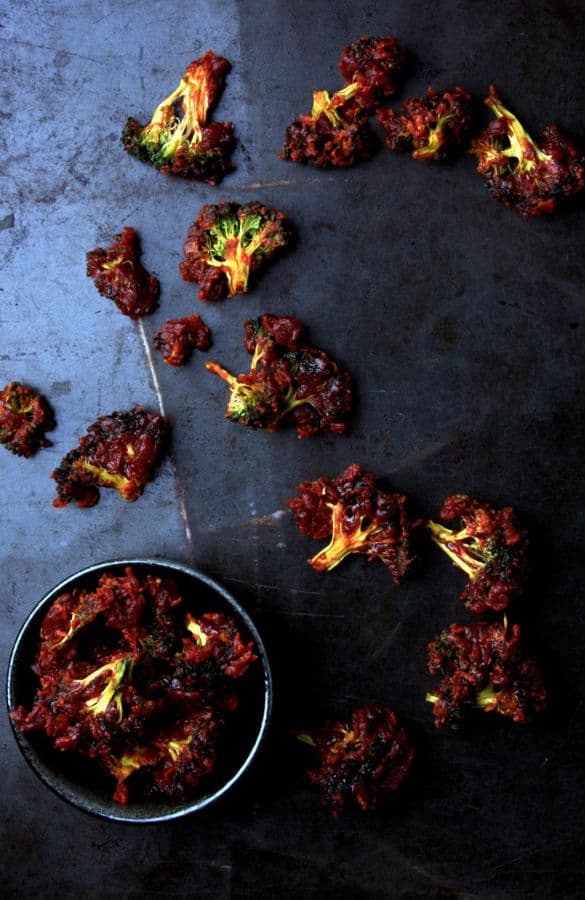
(119, 275)
(127, 676)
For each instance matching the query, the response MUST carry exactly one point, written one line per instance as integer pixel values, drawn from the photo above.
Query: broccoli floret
(178, 338)
(367, 759)
(430, 126)
(119, 451)
(334, 134)
(490, 547)
(483, 667)
(25, 417)
(118, 274)
(179, 140)
(114, 671)
(228, 242)
(215, 642)
(358, 517)
(531, 177)
(288, 381)
(374, 64)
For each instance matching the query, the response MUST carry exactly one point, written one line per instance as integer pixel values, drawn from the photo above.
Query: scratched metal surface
(463, 327)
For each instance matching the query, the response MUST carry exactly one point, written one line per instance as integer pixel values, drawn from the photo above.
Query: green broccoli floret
(178, 140)
(115, 670)
(227, 242)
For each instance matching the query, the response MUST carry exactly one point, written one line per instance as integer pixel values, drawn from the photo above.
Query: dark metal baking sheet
(462, 324)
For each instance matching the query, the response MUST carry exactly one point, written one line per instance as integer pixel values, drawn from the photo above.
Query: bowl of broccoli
(139, 690)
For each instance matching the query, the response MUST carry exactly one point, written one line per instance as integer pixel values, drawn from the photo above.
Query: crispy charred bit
(357, 517)
(289, 382)
(483, 666)
(366, 760)
(532, 177)
(431, 126)
(490, 547)
(119, 275)
(178, 338)
(375, 65)
(335, 134)
(129, 678)
(119, 451)
(229, 243)
(179, 139)
(25, 417)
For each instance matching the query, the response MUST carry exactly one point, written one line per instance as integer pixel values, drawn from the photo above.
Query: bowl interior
(80, 780)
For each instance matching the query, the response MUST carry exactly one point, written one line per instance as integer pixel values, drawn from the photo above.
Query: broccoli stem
(117, 670)
(436, 139)
(325, 104)
(522, 147)
(452, 543)
(342, 544)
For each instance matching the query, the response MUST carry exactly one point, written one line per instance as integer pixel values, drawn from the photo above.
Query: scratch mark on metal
(257, 185)
(178, 483)
(7, 222)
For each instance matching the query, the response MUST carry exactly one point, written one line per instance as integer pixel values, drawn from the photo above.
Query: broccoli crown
(178, 139)
(375, 65)
(178, 338)
(119, 451)
(531, 177)
(490, 547)
(119, 275)
(228, 242)
(358, 517)
(334, 134)
(302, 386)
(25, 417)
(430, 126)
(483, 667)
(366, 759)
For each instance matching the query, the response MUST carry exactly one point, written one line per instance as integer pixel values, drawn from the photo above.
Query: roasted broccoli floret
(358, 517)
(119, 451)
(430, 126)
(119, 275)
(179, 140)
(483, 667)
(490, 547)
(335, 133)
(367, 759)
(289, 381)
(215, 643)
(25, 417)
(108, 677)
(528, 176)
(375, 65)
(178, 338)
(228, 243)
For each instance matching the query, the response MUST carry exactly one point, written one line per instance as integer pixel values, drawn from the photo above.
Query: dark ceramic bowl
(79, 780)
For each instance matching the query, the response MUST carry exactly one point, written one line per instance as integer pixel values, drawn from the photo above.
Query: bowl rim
(43, 772)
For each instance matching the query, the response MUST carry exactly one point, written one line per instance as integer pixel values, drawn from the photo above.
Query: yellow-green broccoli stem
(342, 544)
(167, 129)
(325, 104)
(116, 670)
(125, 486)
(194, 628)
(487, 698)
(459, 547)
(432, 698)
(177, 747)
(436, 139)
(234, 251)
(243, 397)
(522, 147)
